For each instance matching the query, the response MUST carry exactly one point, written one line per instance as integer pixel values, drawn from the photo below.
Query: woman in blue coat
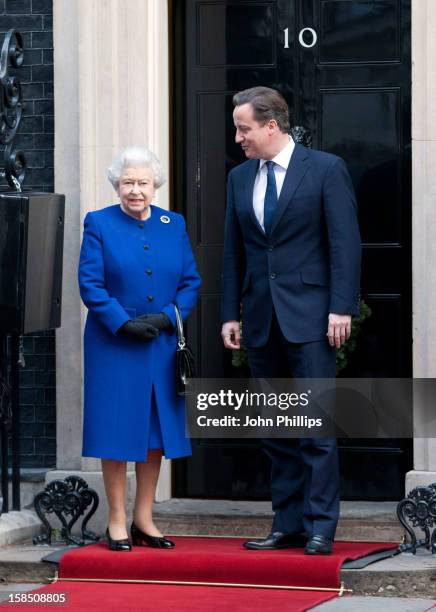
(135, 263)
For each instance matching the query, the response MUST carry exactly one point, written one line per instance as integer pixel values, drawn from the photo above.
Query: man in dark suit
(292, 257)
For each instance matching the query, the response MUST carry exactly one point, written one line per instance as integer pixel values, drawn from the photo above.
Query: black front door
(344, 69)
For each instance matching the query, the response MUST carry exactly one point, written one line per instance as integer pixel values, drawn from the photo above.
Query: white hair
(135, 156)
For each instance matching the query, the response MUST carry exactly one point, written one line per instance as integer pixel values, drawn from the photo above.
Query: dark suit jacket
(308, 267)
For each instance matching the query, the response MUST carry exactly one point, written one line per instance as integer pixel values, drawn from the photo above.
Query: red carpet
(205, 560)
(85, 596)
(215, 560)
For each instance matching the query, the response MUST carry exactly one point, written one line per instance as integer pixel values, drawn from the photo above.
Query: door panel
(354, 31)
(344, 69)
(219, 37)
(370, 145)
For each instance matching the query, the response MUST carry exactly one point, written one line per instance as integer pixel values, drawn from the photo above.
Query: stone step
(368, 521)
(405, 575)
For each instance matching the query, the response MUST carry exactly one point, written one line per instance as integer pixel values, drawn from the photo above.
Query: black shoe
(319, 545)
(277, 540)
(139, 538)
(120, 545)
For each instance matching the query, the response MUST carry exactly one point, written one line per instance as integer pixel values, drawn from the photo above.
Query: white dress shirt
(281, 163)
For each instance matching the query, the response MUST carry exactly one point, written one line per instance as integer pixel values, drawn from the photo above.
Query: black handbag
(185, 366)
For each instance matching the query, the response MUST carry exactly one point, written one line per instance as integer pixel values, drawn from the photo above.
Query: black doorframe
(353, 448)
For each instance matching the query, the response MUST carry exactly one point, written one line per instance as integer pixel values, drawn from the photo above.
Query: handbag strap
(179, 328)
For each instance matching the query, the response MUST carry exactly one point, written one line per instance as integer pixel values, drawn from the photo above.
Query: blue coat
(308, 266)
(128, 268)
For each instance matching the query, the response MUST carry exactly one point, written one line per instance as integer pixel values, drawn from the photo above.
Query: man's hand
(339, 329)
(231, 335)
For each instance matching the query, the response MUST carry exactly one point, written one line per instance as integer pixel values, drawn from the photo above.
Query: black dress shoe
(319, 545)
(120, 545)
(277, 540)
(139, 538)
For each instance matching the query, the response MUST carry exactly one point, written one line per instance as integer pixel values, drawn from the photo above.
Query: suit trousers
(304, 471)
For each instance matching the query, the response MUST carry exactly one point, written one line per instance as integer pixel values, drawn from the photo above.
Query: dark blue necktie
(270, 202)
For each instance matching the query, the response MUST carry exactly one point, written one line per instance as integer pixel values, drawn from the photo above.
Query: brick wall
(33, 18)
(37, 399)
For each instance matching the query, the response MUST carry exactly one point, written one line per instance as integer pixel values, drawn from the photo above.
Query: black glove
(139, 329)
(159, 321)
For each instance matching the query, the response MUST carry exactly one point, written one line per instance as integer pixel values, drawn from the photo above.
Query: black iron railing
(13, 172)
(5, 423)
(417, 512)
(11, 108)
(11, 358)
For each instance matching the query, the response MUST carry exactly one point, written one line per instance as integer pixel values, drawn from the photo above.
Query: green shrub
(240, 360)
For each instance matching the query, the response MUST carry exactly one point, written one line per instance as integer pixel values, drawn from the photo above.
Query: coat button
(150, 298)
(141, 225)
(149, 271)
(270, 248)
(272, 275)
(146, 247)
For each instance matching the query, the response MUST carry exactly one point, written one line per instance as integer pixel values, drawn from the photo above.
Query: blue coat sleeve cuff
(170, 312)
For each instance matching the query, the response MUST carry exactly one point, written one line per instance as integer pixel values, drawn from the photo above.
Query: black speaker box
(31, 247)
